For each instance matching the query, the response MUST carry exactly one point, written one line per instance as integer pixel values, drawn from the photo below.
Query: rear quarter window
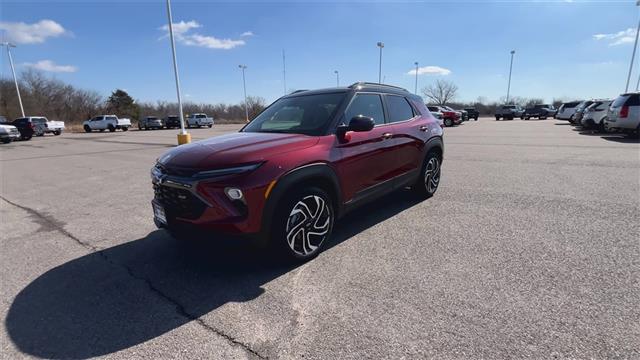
(620, 101)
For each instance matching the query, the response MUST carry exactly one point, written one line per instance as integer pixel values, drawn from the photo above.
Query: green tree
(123, 105)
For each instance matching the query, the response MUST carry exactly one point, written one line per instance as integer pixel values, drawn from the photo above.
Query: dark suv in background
(305, 161)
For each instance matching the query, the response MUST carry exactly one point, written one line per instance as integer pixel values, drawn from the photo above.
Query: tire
(57, 132)
(125, 129)
(542, 118)
(429, 179)
(303, 223)
(210, 126)
(601, 127)
(112, 128)
(527, 118)
(139, 127)
(26, 137)
(497, 118)
(101, 130)
(87, 128)
(448, 122)
(6, 141)
(571, 119)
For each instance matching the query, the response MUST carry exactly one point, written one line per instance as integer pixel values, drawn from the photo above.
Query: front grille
(179, 202)
(176, 171)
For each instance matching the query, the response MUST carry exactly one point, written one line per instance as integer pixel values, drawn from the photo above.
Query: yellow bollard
(184, 138)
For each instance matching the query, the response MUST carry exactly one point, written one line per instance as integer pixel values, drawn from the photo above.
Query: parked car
(473, 113)
(509, 112)
(150, 122)
(37, 126)
(106, 122)
(199, 120)
(577, 116)
(305, 161)
(540, 111)
(449, 117)
(595, 114)
(461, 113)
(8, 132)
(567, 110)
(624, 114)
(172, 121)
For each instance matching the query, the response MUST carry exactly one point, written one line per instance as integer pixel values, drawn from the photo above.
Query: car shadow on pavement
(128, 294)
(623, 139)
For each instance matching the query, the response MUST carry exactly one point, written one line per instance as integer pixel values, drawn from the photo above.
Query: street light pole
(244, 85)
(380, 45)
(633, 55)
(13, 70)
(183, 136)
(416, 87)
(337, 77)
(510, 70)
(284, 73)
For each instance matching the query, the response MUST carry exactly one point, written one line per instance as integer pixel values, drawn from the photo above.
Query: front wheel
(448, 122)
(303, 223)
(57, 132)
(112, 128)
(210, 125)
(497, 118)
(125, 128)
(6, 140)
(87, 128)
(429, 179)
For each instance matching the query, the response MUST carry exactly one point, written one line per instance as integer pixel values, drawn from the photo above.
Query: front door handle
(387, 136)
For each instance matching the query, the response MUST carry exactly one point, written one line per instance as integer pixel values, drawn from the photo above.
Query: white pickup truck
(106, 122)
(199, 120)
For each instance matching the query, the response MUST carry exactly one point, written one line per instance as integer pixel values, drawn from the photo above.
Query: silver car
(150, 122)
(624, 114)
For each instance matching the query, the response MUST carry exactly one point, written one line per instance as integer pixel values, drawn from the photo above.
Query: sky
(563, 49)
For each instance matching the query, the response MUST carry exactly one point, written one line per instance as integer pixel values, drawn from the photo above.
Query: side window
(399, 108)
(367, 105)
(634, 100)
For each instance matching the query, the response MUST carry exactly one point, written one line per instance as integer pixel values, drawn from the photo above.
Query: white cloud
(48, 65)
(247, 33)
(23, 33)
(627, 36)
(183, 34)
(430, 70)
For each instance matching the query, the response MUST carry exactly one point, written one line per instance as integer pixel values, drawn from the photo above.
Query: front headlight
(227, 171)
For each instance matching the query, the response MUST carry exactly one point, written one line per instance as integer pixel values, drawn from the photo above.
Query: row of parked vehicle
(621, 114)
(173, 121)
(25, 128)
(450, 116)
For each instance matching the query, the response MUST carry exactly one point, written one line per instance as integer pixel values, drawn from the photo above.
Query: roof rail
(297, 91)
(364, 83)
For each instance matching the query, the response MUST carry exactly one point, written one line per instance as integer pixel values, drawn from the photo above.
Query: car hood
(234, 149)
(7, 128)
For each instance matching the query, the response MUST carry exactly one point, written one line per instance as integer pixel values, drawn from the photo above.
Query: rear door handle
(424, 128)
(387, 135)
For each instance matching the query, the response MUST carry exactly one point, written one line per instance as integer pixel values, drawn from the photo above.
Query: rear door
(366, 163)
(409, 134)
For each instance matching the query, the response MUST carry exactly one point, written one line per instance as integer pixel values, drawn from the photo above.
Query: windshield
(308, 115)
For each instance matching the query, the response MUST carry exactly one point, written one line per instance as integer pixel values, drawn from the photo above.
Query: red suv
(305, 161)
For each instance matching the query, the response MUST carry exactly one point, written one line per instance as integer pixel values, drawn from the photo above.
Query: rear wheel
(87, 128)
(497, 117)
(57, 132)
(26, 137)
(210, 125)
(125, 128)
(303, 223)
(429, 179)
(6, 141)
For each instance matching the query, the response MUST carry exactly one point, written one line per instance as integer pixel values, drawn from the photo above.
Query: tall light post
(380, 45)
(284, 73)
(183, 136)
(13, 70)
(244, 86)
(633, 54)
(416, 87)
(510, 70)
(337, 77)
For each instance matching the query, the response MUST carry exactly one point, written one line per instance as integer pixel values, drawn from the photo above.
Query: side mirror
(358, 124)
(361, 124)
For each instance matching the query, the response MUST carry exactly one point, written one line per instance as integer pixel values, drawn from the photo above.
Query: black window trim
(382, 102)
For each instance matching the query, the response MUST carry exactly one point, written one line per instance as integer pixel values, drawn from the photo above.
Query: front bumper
(11, 135)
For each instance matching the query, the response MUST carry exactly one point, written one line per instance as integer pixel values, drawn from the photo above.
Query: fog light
(234, 193)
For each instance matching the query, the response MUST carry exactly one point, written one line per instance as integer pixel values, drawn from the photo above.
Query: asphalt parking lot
(530, 248)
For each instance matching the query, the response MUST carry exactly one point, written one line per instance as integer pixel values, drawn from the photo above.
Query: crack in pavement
(180, 309)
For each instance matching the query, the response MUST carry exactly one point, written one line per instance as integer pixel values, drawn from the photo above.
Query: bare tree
(441, 92)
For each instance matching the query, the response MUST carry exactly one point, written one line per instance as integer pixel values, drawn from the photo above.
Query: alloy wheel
(432, 175)
(308, 225)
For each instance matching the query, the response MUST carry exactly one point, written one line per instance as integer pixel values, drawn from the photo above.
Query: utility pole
(13, 70)
(633, 54)
(284, 73)
(183, 136)
(416, 87)
(244, 85)
(380, 45)
(510, 70)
